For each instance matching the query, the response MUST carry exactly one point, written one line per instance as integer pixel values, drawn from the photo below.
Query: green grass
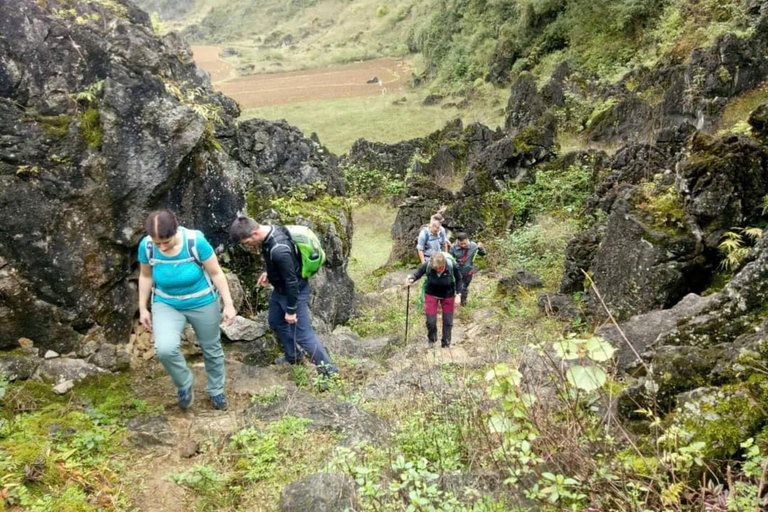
(340, 122)
(67, 453)
(738, 109)
(371, 241)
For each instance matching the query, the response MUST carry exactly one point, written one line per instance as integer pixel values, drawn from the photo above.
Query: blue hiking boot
(186, 397)
(219, 402)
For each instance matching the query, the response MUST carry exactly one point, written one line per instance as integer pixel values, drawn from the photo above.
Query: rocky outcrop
(100, 123)
(353, 423)
(668, 205)
(323, 492)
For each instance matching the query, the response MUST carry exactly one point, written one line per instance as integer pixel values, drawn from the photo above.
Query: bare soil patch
(344, 81)
(207, 57)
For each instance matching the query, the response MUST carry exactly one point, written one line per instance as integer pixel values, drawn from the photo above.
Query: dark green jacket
(465, 257)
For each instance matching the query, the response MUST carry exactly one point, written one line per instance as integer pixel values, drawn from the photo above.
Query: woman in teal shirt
(181, 276)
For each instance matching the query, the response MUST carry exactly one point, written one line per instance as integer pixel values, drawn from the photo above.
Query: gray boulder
(18, 367)
(149, 432)
(559, 305)
(112, 357)
(355, 424)
(646, 330)
(244, 329)
(342, 341)
(321, 492)
(62, 369)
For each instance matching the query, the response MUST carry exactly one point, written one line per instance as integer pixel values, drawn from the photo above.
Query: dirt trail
(344, 81)
(474, 342)
(207, 57)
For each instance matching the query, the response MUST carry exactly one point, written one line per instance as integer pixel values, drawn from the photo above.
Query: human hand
(408, 281)
(480, 245)
(263, 282)
(458, 300)
(145, 318)
(291, 319)
(229, 314)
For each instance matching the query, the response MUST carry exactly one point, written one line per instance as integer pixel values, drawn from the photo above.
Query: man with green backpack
(291, 255)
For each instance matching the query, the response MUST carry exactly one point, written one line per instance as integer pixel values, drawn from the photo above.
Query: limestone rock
(244, 329)
(18, 367)
(643, 331)
(559, 305)
(111, 357)
(63, 387)
(150, 431)
(59, 370)
(321, 492)
(342, 341)
(355, 424)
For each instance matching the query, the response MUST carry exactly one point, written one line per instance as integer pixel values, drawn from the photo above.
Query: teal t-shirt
(180, 278)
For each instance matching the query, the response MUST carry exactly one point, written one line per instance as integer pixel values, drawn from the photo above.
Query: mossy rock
(725, 417)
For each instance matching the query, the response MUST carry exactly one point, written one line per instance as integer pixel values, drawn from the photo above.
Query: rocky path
(382, 369)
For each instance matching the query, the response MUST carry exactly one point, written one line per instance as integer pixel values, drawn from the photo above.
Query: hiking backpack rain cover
(309, 249)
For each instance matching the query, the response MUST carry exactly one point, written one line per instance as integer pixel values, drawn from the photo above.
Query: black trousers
(464, 292)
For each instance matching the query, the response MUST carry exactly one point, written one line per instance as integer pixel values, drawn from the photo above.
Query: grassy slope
(340, 122)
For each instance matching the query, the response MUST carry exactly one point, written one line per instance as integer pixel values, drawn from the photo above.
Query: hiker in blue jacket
(464, 251)
(181, 278)
(443, 279)
(289, 302)
(431, 239)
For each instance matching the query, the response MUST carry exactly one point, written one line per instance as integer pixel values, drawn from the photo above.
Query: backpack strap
(192, 250)
(194, 257)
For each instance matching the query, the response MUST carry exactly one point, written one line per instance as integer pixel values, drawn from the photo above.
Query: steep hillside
(462, 41)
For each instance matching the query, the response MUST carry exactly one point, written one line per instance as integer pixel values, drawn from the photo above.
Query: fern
(735, 248)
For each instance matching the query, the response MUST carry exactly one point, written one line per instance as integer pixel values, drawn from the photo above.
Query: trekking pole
(407, 310)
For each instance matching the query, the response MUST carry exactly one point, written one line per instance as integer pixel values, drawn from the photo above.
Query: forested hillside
(462, 41)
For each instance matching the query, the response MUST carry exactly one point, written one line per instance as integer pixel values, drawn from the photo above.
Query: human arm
(421, 245)
(416, 275)
(145, 291)
(282, 258)
(459, 283)
(212, 267)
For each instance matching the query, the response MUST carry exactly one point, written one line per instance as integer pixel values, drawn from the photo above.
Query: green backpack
(308, 248)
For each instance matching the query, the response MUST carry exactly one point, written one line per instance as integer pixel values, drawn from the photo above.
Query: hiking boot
(219, 402)
(284, 360)
(186, 397)
(445, 344)
(430, 343)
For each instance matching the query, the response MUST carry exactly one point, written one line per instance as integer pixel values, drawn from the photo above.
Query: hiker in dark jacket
(443, 279)
(464, 252)
(288, 304)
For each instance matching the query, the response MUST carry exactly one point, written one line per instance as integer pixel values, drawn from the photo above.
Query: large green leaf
(598, 349)
(587, 378)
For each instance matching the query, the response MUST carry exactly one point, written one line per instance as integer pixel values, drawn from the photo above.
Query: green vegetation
(339, 122)
(250, 469)
(66, 453)
(90, 125)
(538, 247)
(55, 125)
(371, 243)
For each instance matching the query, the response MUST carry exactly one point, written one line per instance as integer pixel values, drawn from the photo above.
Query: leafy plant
(736, 245)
